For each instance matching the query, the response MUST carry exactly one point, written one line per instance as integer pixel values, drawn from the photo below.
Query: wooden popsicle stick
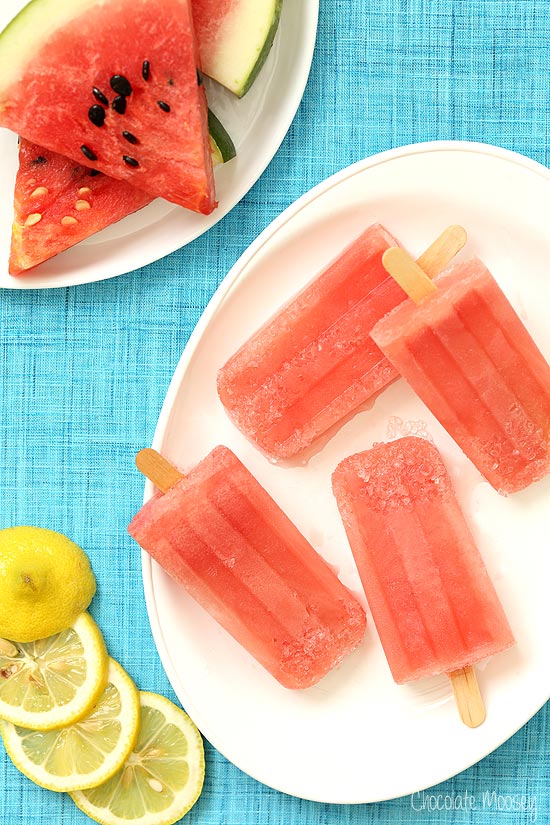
(157, 469)
(443, 250)
(408, 274)
(414, 278)
(468, 696)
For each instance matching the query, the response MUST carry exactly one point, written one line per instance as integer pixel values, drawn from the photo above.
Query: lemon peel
(46, 581)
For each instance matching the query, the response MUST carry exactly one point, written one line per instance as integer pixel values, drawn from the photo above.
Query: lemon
(52, 682)
(45, 582)
(161, 779)
(87, 752)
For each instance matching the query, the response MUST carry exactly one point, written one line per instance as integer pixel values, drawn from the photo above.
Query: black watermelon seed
(87, 152)
(130, 161)
(163, 105)
(199, 77)
(40, 159)
(130, 137)
(97, 115)
(170, 82)
(94, 172)
(121, 85)
(98, 94)
(119, 104)
(146, 70)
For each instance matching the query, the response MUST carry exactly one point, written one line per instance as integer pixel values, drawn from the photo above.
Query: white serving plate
(257, 124)
(356, 736)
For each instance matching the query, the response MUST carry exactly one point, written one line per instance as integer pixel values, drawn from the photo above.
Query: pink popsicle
(468, 356)
(314, 362)
(220, 535)
(433, 603)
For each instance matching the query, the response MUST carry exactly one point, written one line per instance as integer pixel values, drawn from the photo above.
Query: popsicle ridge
(404, 483)
(434, 606)
(348, 353)
(314, 361)
(459, 393)
(343, 283)
(471, 360)
(220, 535)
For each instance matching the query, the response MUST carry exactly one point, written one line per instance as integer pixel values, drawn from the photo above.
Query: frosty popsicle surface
(465, 352)
(220, 535)
(314, 362)
(431, 598)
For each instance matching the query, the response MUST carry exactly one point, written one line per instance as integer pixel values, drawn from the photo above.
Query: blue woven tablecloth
(85, 370)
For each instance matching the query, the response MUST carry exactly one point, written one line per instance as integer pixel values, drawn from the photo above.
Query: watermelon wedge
(113, 86)
(235, 38)
(58, 203)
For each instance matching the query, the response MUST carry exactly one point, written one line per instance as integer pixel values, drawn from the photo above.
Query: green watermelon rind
(265, 50)
(220, 138)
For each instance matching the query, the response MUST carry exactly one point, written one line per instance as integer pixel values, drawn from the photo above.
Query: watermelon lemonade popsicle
(314, 361)
(220, 535)
(467, 355)
(308, 368)
(433, 603)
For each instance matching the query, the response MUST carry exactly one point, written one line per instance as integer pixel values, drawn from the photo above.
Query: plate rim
(215, 302)
(302, 69)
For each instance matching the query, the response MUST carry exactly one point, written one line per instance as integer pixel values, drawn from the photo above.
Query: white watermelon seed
(32, 219)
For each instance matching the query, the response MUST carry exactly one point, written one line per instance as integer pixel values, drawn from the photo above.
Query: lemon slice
(161, 779)
(87, 752)
(52, 682)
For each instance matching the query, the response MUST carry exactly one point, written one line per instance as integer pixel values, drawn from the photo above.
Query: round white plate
(257, 125)
(357, 736)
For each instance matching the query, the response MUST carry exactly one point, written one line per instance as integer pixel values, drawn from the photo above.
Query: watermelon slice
(235, 38)
(113, 86)
(58, 203)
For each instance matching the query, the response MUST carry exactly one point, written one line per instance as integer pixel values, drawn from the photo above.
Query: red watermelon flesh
(58, 203)
(160, 143)
(210, 17)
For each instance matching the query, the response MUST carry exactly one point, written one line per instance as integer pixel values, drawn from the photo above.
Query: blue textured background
(85, 370)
